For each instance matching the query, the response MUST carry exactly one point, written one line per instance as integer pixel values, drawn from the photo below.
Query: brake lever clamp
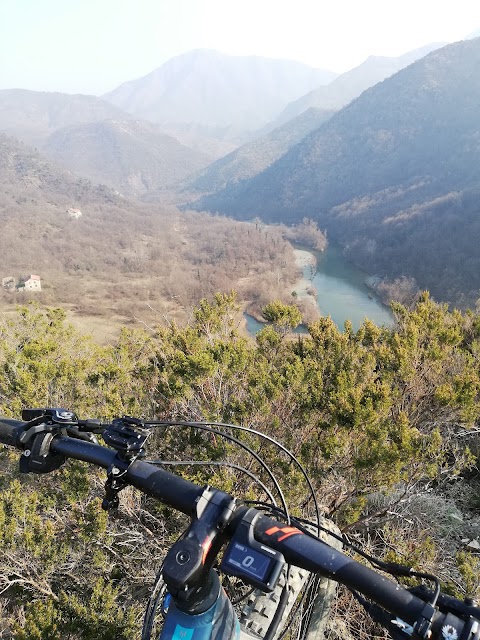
(41, 427)
(127, 436)
(114, 484)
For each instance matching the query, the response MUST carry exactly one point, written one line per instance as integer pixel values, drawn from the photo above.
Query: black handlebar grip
(8, 431)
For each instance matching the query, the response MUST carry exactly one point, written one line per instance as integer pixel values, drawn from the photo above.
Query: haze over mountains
(390, 174)
(199, 94)
(223, 96)
(393, 175)
(253, 157)
(33, 115)
(351, 84)
(97, 140)
(298, 119)
(102, 142)
(135, 157)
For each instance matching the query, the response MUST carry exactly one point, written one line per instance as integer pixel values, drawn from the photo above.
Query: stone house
(30, 283)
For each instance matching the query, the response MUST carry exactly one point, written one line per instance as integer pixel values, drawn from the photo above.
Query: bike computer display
(250, 560)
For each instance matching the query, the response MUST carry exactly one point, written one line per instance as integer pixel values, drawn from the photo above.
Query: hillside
(406, 145)
(228, 95)
(32, 116)
(351, 84)
(253, 157)
(133, 156)
(120, 259)
(24, 171)
(298, 119)
(95, 139)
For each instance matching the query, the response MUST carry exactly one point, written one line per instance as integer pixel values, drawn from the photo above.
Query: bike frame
(218, 621)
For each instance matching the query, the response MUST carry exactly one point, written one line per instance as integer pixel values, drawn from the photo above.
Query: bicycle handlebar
(8, 429)
(158, 483)
(298, 548)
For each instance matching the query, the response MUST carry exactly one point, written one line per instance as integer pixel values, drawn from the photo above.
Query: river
(341, 290)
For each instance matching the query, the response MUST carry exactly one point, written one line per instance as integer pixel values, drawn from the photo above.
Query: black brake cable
(207, 426)
(393, 568)
(204, 426)
(280, 446)
(207, 463)
(259, 434)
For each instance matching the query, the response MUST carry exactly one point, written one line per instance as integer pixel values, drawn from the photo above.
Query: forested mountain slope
(228, 95)
(253, 157)
(133, 156)
(24, 170)
(351, 84)
(32, 116)
(97, 140)
(386, 167)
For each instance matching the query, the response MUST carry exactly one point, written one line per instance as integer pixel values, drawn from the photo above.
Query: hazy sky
(91, 46)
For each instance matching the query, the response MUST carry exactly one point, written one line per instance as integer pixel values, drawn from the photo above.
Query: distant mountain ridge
(97, 140)
(211, 89)
(254, 157)
(384, 167)
(33, 115)
(133, 156)
(351, 84)
(393, 117)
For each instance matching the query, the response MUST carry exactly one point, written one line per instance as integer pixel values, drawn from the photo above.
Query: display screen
(248, 561)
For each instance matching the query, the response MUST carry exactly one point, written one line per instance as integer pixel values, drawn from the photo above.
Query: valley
(159, 232)
(147, 230)
(393, 177)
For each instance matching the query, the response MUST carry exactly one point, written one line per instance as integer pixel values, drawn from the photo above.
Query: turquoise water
(342, 293)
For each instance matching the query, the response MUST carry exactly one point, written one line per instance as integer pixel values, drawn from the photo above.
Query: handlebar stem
(189, 561)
